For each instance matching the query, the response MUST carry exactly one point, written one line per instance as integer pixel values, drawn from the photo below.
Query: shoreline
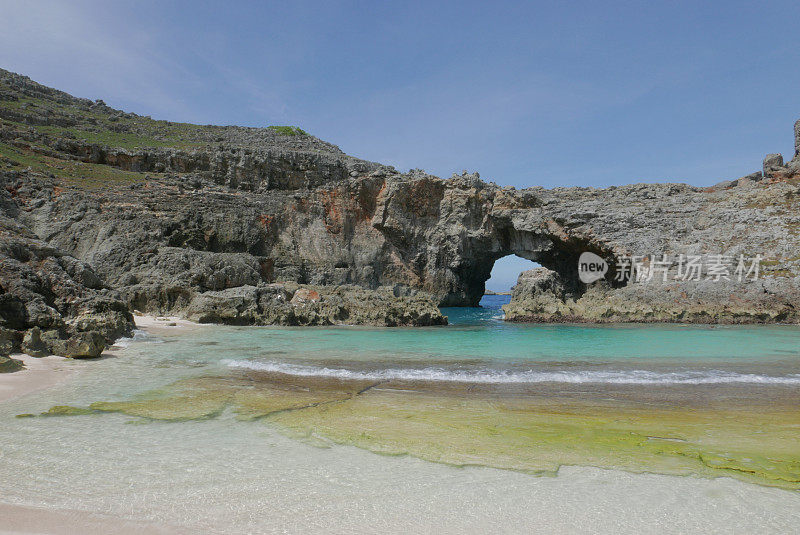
(38, 374)
(41, 373)
(503, 417)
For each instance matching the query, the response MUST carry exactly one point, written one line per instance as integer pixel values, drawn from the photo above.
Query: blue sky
(536, 93)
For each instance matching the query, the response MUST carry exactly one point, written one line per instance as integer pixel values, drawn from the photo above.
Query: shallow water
(228, 475)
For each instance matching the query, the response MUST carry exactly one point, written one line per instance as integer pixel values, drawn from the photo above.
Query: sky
(525, 93)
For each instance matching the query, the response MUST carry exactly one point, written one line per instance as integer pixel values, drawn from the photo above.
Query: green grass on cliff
(97, 126)
(124, 140)
(288, 130)
(79, 119)
(70, 172)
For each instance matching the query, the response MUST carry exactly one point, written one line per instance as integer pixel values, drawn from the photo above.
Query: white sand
(38, 374)
(45, 372)
(157, 325)
(41, 373)
(17, 519)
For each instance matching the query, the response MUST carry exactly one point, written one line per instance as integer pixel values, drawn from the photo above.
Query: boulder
(279, 304)
(9, 341)
(538, 296)
(538, 282)
(234, 306)
(772, 163)
(7, 364)
(33, 345)
(85, 345)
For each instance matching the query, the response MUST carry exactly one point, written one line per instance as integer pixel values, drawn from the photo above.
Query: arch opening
(505, 272)
(557, 258)
(555, 251)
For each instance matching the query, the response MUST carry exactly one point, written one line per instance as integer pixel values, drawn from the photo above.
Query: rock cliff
(228, 224)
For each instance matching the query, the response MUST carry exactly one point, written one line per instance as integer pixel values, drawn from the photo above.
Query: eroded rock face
(48, 299)
(209, 231)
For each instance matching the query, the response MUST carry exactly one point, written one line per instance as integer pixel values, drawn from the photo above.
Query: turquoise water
(227, 476)
(478, 346)
(478, 338)
(480, 334)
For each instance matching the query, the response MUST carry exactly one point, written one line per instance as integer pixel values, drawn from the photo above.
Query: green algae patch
(66, 410)
(249, 397)
(533, 429)
(539, 436)
(187, 399)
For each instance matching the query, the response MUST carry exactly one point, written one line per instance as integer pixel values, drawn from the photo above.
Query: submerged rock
(534, 428)
(66, 410)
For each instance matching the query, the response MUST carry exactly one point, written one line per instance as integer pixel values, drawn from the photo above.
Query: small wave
(138, 336)
(530, 376)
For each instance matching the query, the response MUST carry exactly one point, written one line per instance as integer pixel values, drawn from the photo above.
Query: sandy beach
(157, 325)
(46, 372)
(19, 519)
(38, 374)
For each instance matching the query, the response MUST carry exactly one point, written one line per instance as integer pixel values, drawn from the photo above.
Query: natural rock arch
(450, 233)
(555, 253)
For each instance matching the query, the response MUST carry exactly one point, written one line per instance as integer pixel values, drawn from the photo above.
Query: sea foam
(520, 376)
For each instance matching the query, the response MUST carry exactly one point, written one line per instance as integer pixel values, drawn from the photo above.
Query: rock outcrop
(539, 296)
(291, 304)
(7, 364)
(50, 302)
(243, 225)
